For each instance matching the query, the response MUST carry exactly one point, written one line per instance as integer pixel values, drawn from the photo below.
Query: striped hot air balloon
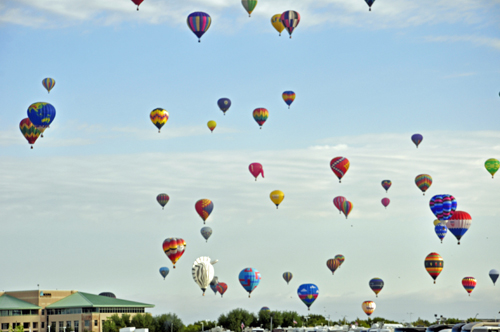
(260, 115)
(288, 97)
(376, 284)
(346, 208)
(174, 248)
(290, 20)
(434, 265)
(249, 6)
(469, 284)
(29, 131)
(162, 199)
(459, 223)
(423, 182)
(199, 22)
(333, 264)
(48, 83)
(341, 259)
(338, 201)
(159, 117)
(443, 206)
(287, 276)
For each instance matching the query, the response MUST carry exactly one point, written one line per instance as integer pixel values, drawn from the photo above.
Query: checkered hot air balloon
(162, 199)
(290, 20)
(199, 22)
(249, 278)
(339, 166)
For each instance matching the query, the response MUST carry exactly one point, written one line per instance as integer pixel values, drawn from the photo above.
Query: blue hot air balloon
(493, 275)
(164, 272)
(224, 104)
(308, 293)
(370, 4)
(376, 284)
(41, 115)
(199, 22)
(417, 139)
(443, 206)
(249, 279)
(441, 231)
(213, 284)
(265, 309)
(206, 232)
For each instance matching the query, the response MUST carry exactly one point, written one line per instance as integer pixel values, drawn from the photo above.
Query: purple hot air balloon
(385, 202)
(443, 206)
(199, 22)
(417, 139)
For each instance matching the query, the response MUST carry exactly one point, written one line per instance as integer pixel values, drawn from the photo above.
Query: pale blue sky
(365, 81)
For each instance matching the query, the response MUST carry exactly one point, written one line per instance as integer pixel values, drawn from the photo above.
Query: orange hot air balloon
(469, 284)
(368, 307)
(333, 264)
(29, 131)
(339, 166)
(174, 248)
(434, 265)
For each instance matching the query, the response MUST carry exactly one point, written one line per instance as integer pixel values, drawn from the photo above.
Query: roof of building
(86, 300)
(8, 302)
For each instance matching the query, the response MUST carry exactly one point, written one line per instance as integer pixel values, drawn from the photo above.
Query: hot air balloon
(159, 117)
(434, 265)
(48, 83)
(137, 2)
(249, 6)
(164, 272)
(492, 165)
(346, 208)
(368, 307)
(221, 288)
(41, 115)
(290, 19)
(417, 139)
(369, 3)
(204, 207)
(206, 232)
(443, 206)
(333, 264)
(339, 166)
(265, 309)
(376, 284)
(437, 222)
(277, 197)
(386, 184)
(211, 125)
(287, 276)
(494, 275)
(308, 293)
(162, 200)
(199, 22)
(338, 201)
(213, 284)
(260, 115)
(385, 202)
(256, 169)
(203, 272)
(276, 22)
(224, 104)
(174, 248)
(441, 231)
(423, 182)
(29, 131)
(340, 258)
(288, 97)
(469, 284)
(249, 279)
(459, 223)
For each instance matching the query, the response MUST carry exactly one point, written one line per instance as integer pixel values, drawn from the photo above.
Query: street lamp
(475, 317)
(410, 313)
(202, 327)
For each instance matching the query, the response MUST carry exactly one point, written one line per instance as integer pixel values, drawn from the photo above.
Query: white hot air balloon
(203, 272)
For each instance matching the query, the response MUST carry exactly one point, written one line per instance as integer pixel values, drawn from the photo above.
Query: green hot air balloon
(249, 6)
(492, 165)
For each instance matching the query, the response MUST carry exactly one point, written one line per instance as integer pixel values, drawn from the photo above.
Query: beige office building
(37, 310)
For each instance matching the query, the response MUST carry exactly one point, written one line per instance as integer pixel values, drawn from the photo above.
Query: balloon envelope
(137, 3)
(204, 207)
(308, 293)
(493, 275)
(249, 5)
(386, 184)
(164, 272)
(249, 279)
(459, 223)
(203, 272)
(368, 307)
(287, 276)
(174, 248)
(469, 284)
(41, 115)
(276, 22)
(213, 284)
(290, 19)
(48, 83)
(29, 131)
(441, 231)
(376, 284)
(385, 202)
(370, 4)
(346, 208)
(417, 139)
(211, 125)
(338, 201)
(340, 258)
(206, 232)
(158, 117)
(221, 288)
(260, 115)
(492, 165)
(333, 264)
(277, 197)
(256, 169)
(434, 265)
(339, 166)
(443, 206)
(423, 182)
(288, 97)
(162, 199)
(265, 309)
(224, 104)
(199, 22)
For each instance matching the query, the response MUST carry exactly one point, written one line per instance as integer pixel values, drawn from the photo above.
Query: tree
(421, 322)
(289, 317)
(144, 321)
(126, 320)
(69, 328)
(168, 323)
(20, 328)
(234, 318)
(315, 320)
(200, 325)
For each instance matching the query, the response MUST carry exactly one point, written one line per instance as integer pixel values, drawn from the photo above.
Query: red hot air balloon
(221, 288)
(469, 284)
(174, 248)
(339, 166)
(137, 3)
(204, 207)
(385, 202)
(256, 169)
(434, 265)
(338, 201)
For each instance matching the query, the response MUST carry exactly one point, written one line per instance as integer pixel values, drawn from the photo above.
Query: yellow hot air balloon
(437, 222)
(159, 117)
(211, 125)
(276, 22)
(277, 197)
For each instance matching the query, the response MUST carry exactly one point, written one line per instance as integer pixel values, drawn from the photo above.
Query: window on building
(61, 325)
(43, 325)
(95, 322)
(87, 323)
(26, 325)
(68, 324)
(77, 323)
(35, 325)
(43, 312)
(5, 326)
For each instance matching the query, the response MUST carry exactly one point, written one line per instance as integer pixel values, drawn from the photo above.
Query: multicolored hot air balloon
(288, 97)
(339, 166)
(368, 307)
(203, 272)
(308, 293)
(290, 19)
(211, 125)
(459, 223)
(29, 131)
(423, 182)
(249, 279)
(340, 258)
(249, 6)
(159, 117)
(385, 202)
(338, 201)
(369, 3)
(386, 184)
(441, 231)
(206, 232)
(48, 83)
(204, 207)
(221, 288)
(277, 197)
(260, 115)
(346, 208)
(213, 284)
(162, 200)
(265, 309)
(443, 206)
(41, 115)
(199, 22)
(417, 139)
(224, 104)
(137, 3)
(174, 248)
(494, 275)
(256, 169)
(333, 264)
(492, 165)
(434, 265)
(276, 22)
(164, 272)
(287, 276)
(469, 284)
(376, 284)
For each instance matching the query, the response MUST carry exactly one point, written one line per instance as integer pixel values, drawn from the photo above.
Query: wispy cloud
(475, 40)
